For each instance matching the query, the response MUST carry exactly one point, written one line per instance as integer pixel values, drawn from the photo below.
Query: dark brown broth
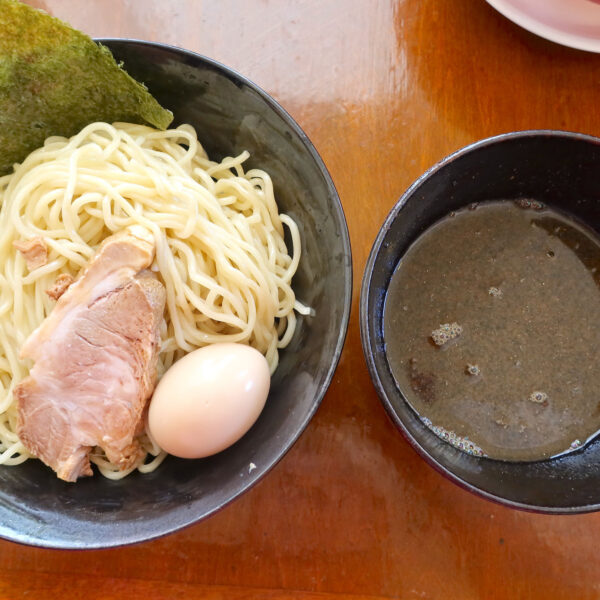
(523, 286)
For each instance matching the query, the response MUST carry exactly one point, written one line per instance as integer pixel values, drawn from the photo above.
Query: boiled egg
(209, 399)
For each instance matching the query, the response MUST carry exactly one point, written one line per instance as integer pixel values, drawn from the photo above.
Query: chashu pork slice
(95, 361)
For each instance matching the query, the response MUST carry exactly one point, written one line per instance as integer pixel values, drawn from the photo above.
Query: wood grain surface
(384, 89)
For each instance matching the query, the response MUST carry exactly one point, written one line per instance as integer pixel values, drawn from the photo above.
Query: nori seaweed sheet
(55, 80)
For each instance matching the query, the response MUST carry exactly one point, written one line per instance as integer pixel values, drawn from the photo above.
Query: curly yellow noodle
(220, 248)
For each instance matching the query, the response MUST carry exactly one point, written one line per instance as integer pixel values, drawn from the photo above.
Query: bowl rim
(152, 529)
(366, 332)
(543, 29)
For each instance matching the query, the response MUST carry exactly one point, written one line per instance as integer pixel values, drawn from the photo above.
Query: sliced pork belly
(95, 361)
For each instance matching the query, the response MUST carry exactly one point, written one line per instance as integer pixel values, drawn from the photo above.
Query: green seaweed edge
(55, 80)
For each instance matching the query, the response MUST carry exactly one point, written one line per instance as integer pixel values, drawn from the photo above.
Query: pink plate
(574, 23)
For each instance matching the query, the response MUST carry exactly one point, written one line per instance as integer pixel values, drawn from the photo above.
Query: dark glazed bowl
(231, 114)
(559, 168)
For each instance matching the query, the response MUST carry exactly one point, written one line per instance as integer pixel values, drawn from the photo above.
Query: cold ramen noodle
(125, 248)
(492, 330)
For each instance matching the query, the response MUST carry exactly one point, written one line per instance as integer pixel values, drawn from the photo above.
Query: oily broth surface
(522, 284)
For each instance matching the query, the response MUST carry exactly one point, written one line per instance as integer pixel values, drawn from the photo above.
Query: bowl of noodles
(229, 140)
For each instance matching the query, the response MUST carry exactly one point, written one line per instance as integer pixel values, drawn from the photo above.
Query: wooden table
(384, 89)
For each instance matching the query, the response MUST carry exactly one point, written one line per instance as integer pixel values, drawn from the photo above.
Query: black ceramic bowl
(231, 114)
(559, 168)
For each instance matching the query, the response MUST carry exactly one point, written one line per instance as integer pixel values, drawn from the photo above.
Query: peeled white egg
(209, 399)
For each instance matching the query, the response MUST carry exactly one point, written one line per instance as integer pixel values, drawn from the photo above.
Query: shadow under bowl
(561, 169)
(230, 114)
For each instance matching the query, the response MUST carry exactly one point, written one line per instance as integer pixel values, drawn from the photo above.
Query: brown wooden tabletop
(384, 88)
